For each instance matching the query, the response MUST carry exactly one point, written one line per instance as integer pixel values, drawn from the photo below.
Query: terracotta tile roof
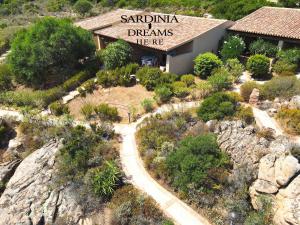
(272, 21)
(184, 31)
(105, 20)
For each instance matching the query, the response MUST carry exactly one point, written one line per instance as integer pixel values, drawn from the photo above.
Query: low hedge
(42, 98)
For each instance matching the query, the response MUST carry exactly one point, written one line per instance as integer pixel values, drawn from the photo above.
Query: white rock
(285, 168)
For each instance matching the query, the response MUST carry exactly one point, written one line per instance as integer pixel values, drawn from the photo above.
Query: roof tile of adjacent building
(186, 30)
(271, 21)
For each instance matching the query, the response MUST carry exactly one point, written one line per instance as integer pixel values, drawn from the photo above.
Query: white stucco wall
(207, 42)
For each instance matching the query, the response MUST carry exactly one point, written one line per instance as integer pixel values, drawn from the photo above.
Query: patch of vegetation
(291, 55)
(247, 88)
(147, 105)
(237, 9)
(263, 47)
(119, 76)
(220, 80)
(232, 48)
(290, 120)
(283, 68)
(36, 53)
(131, 207)
(116, 54)
(217, 106)
(235, 68)
(6, 133)
(83, 6)
(163, 94)
(259, 66)
(5, 78)
(188, 79)
(194, 162)
(58, 109)
(205, 64)
(106, 112)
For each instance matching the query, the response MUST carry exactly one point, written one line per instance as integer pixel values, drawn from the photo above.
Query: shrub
(245, 114)
(147, 104)
(116, 54)
(290, 120)
(106, 112)
(205, 64)
(58, 109)
(259, 66)
(235, 68)
(263, 47)
(106, 180)
(89, 85)
(5, 78)
(284, 87)
(247, 88)
(149, 77)
(188, 79)
(87, 110)
(267, 133)
(75, 81)
(163, 94)
(83, 6)
(190, 164)
(233, 48)
(291, 55)
(283, 68)
(106, 78)
(220, 79)
(217, 106)
(180, 89)
(125, 72)
(36, 53)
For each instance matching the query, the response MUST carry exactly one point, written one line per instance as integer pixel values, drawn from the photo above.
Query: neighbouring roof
(271, 21)
(186, 30)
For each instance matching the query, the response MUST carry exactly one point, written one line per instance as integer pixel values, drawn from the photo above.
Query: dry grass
(121, 97)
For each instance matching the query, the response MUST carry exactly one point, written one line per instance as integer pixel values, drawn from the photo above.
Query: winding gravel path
(133, 167)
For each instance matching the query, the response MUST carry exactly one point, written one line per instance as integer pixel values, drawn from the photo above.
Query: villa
(173, 40)
(279, 25)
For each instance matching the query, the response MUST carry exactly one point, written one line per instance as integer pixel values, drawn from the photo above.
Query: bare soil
(123, 98)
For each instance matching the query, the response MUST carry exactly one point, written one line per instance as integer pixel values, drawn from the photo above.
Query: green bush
(180, 89)
(247, 88)
(259, 66)
(89, 85)
(116, 54)
(58, 109)
(245, 114)
(106, 112)
(217, 106)
(87, 110)
(233, 47)
(220, 79)
(291, 55)
(149, 77)
(263, 47)
(290, 120)
(83, 6)
(106, 180)
(163, 94)
(235, 68)
(188, 79)
(264, 216)
(147, 104)
(55, 5)
(75, 81)
(205, 64)
(36, 53)
(190, 164)
(283, 68)
(106, 78)
(5, 78)
(283, 87)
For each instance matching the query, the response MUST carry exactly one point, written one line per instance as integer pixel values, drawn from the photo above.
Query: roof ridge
(281, 8)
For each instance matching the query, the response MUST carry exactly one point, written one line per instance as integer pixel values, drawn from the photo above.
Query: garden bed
(124, 98)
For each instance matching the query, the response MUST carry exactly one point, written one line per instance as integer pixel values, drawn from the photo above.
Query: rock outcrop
(30, 198)
(278, 178)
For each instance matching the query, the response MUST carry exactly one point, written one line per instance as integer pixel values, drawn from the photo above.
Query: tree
(205, 64)
(116, 54)
(237, 9)
(49, 47)
(290, 3)
(190, 163)
(83, 6)
(258, 65)
(217, 106)
(263, 47)
(233, 47)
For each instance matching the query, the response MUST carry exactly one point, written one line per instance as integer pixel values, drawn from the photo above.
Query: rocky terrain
(31, 198)
(271, 165)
